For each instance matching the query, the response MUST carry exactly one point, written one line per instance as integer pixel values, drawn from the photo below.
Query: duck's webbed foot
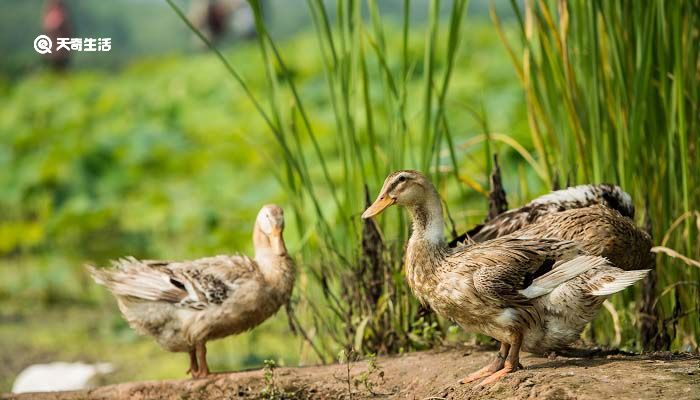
(498, 375)
(511, 364)
(493, 367)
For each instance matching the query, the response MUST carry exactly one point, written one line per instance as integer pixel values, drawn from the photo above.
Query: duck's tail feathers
(561, 274)
(618, 281)
(134, 279)
(98, 275)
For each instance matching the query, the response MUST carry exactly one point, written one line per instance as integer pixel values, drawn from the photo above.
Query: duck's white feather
(561, 273)
(620, 281)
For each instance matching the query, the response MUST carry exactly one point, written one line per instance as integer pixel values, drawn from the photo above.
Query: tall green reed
(612, 95)
(367, 304)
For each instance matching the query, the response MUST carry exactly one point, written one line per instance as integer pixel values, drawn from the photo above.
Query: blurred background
(157, 149)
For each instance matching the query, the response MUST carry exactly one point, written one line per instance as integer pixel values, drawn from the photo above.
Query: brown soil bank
(433, 375)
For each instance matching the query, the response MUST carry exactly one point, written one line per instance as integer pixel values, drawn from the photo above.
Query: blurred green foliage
(166, 158)
(148, 28)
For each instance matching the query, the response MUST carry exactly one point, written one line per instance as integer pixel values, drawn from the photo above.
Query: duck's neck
(275, 264)
(426, 247)
(428, 223)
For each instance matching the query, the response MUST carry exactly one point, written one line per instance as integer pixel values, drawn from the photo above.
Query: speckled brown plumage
(600, 231)
(185, 304)
(526, 290)
(577, 197)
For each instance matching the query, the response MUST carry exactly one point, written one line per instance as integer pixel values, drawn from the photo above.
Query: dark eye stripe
(393, 186)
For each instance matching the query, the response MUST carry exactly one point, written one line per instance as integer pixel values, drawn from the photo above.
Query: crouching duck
(183, 305)
(527, 292)
(582, 198)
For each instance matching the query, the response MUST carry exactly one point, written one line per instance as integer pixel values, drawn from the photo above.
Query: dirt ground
(432, 375)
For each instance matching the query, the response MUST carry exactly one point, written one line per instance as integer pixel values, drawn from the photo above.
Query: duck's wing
(581, 196)
(510, 271)
(195, 284)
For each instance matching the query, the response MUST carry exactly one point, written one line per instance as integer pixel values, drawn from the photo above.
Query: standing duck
(527, 292)
(183, 305)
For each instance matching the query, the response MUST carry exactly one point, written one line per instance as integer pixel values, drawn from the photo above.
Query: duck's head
(270, 224)
(405, 188)
(270, 219)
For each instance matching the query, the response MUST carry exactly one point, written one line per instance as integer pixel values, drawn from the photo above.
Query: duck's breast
(454, 297)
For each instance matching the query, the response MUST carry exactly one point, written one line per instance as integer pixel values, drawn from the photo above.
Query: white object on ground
(59, 376)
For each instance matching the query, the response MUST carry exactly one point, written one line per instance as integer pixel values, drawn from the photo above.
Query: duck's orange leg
(492, 367)
(512, 363)
(201, 349)
(193, 364)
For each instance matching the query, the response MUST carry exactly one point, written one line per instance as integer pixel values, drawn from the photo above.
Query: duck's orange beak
(378, 206)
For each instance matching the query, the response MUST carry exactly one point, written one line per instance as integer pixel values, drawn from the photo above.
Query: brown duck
(524, 290)
(577, 197)
(185, 304)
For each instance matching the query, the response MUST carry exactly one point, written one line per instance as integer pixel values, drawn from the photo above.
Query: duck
(599, 217)
(601, 231)
(185, 304)
(577, 197)
(529, 292)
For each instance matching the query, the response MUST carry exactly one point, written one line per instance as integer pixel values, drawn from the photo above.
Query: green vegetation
(169, 158)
